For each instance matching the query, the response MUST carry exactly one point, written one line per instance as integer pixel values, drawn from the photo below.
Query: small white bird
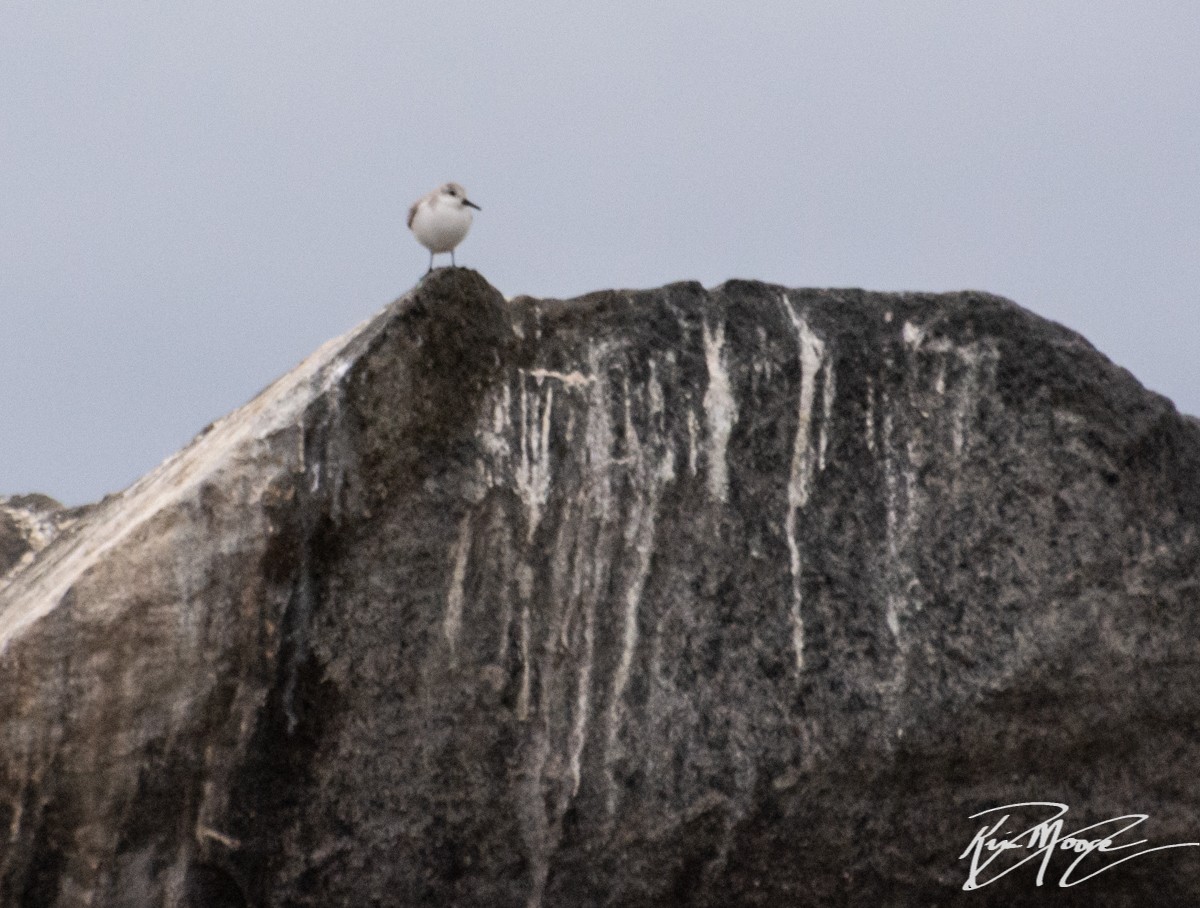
(440, 219)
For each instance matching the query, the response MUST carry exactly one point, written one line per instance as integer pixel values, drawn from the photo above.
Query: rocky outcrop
(747, 596)
(28, 523)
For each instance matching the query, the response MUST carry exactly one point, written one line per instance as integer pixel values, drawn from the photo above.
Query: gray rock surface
(747, 596)
(28, 523)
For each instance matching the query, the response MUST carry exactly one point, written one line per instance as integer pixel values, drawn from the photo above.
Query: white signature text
(993, 844)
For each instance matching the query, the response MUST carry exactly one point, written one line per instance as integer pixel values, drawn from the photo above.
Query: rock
(28, 523)
(748, 596)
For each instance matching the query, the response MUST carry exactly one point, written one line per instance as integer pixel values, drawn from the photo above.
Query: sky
(193, 197)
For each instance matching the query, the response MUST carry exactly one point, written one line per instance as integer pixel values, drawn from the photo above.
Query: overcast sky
(193, 197)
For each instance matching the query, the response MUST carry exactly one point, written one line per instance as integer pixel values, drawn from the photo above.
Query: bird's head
(454, 194)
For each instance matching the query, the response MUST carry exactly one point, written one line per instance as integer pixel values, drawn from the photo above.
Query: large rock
(748, 596)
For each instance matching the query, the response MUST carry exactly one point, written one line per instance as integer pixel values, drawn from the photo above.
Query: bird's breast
(441, 228)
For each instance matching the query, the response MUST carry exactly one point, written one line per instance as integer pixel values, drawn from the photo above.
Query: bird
(440, 219)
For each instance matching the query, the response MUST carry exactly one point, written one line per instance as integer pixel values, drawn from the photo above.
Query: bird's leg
(430, 263)
(453, 264)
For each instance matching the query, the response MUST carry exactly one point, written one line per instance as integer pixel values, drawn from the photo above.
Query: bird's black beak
(472, 204)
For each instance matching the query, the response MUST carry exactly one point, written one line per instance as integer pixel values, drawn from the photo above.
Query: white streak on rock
(959, 427)
(975, 359)
(598, 436)
(654, 392)
(205, 832)
(564, 573)
(693, 431)
(524, 581)
(500, 417)
(901, 512)
(912, 490)
(795, 611)
(639, 534)
(913, 334)
(632, 442)
(869, 415)
(18, 810)
(666, 467)
(891, 478)
(762, 363)
(573, 553)
(535, 825)
(452, 622)
(893, 524)
(811, 351)
(503, 532)
(574, 379)
(526, 667)
(916, 337)
(827, 395)
(640, 537)
(650, 474)
(582, 700)
(812, 356)
(335, 374)
(533, 471)
(720, 411)
(592, 551)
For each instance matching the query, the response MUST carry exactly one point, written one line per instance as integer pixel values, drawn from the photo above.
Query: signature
(1046, 838)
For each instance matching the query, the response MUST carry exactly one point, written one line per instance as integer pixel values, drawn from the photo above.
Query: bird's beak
(472, 204)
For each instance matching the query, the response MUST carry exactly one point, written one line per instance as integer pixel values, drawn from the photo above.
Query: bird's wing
(412, 212)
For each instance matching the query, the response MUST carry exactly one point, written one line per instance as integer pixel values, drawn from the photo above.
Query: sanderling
(440, 219)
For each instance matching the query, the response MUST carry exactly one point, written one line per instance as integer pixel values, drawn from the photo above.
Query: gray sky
(192, 199)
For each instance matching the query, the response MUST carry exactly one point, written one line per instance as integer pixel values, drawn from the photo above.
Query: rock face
(748, 596)
(28, 523)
